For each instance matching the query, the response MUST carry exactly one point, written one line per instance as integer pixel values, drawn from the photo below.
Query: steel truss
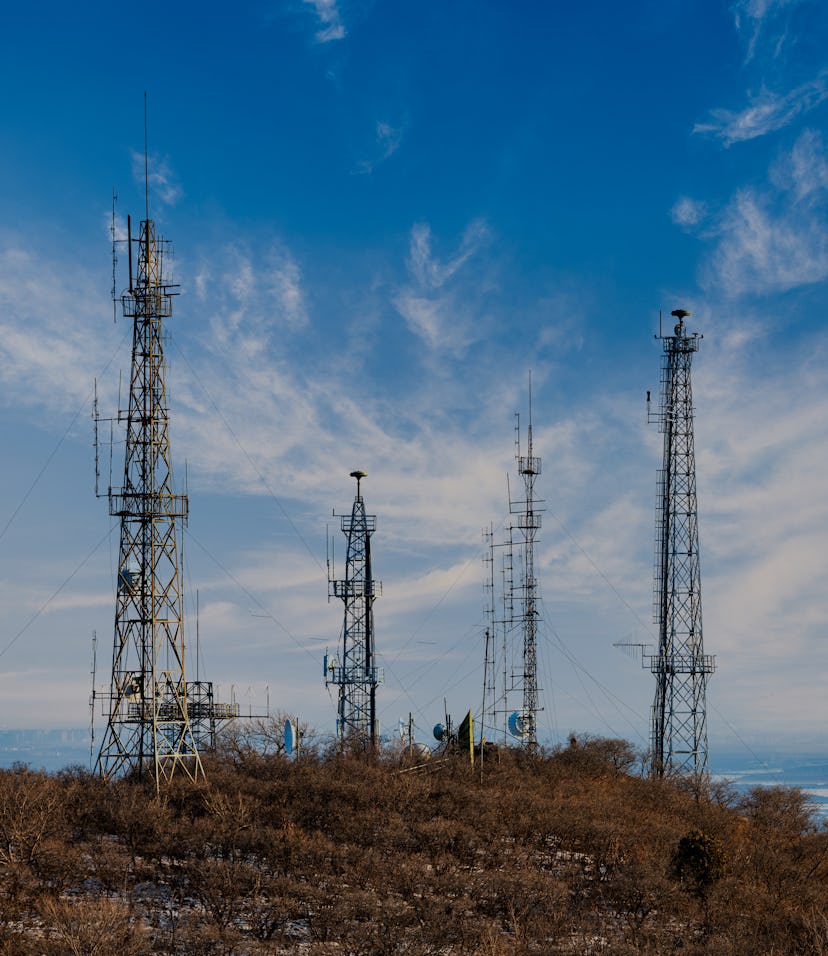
(355, 673)
(148, 730)
(680, 666)
(524, 532)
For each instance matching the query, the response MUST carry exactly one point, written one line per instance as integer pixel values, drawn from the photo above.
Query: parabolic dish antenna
(518, 725)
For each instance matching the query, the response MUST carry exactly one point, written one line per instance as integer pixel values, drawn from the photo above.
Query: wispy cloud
(332, 27)
(766, 112)
(284, 287)
(688, 212)
(803, 172)
(426, 269)
(431, 303)
(52, 345)
(761, 251)
(262, 290)
(388, 140)
(436, 474)
(762, 453)
(774, 239)
(753, 18)
(158, 174)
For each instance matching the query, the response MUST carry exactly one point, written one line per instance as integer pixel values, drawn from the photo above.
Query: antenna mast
(680, 666)
(524, 723)
(146, 163)
(356, 674)
(92, 697)
(148, 730)
(113, 233)
(488, 714)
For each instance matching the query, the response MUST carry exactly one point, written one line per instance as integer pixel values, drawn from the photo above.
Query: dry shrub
(31, 812)
(560, 852)
(101, 927)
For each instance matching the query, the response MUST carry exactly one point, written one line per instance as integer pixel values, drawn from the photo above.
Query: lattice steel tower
(356, 673)
(680, 666)
(526, 529)
(148, 730)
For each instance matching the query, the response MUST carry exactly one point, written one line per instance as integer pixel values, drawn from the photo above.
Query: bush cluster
(561, 852)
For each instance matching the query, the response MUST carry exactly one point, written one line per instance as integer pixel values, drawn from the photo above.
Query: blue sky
(384, 216)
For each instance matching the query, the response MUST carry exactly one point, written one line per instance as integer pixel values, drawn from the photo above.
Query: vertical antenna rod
(92, 697)
(680, 666)
(489, 709)
(112, 231)
(356, 674)
(146, 163)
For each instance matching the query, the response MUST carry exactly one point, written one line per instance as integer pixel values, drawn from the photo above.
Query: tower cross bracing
(355, 673)
(148, 728)
(527, 526)
(680, 666)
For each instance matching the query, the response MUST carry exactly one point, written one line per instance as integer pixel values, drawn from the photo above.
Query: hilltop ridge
(568, 851)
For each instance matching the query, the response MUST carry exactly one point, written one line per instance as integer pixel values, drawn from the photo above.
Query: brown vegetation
(566, 852)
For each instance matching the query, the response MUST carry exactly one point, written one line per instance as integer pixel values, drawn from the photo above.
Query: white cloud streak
(263, 296)
(754, 16)
(433, 303)
(803, 172)
(163, 184)
(327, 12)
(766, 112)
(52, 343)
(761, 252)
(775, 239)
(388, 141)
(688, 212)
(762, 464)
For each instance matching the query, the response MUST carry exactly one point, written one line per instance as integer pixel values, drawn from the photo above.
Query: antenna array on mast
(148, 729)
(355, 673)
(525, 531)
(155, 719)
(680, 666)
(510, 683)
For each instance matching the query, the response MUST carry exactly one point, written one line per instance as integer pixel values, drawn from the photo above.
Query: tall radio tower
(524, 723)
(149, 728)
(356, 674)
(680, 666)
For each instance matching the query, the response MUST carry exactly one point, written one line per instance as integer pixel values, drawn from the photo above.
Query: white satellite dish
(518, 725)
(129, 580)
